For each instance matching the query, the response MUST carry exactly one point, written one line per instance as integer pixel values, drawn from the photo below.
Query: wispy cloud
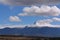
(12, 26)
(29, 2)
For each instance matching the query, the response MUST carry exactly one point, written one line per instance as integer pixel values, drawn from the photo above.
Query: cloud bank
(30, 2)
(12, 26)
(38, 11)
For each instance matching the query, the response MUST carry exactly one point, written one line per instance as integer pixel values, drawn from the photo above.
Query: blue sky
(16, 14)
(6, 12)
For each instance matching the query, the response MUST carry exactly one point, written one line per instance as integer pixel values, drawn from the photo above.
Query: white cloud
(38, 11)
(42, 23)
(14, 19)
(46, 23)
(56, 19)
(29, 2)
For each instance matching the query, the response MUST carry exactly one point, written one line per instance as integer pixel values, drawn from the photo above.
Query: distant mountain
(32, 31)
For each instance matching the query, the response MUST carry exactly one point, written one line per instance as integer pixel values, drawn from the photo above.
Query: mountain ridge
(32, 31)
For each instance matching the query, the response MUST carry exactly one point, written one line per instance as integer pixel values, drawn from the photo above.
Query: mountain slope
(32, 31)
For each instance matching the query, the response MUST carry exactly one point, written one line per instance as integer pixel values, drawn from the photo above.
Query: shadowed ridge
(32, 31)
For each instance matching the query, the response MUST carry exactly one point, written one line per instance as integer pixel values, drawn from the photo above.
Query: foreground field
(12, 37)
